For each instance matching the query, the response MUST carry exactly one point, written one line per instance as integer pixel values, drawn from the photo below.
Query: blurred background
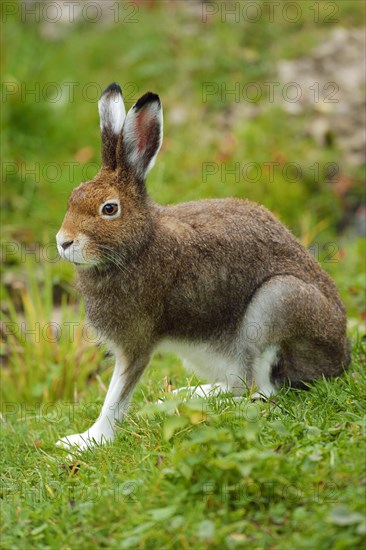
(261, 100)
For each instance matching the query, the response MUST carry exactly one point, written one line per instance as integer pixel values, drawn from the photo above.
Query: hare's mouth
(76, 250)
(77, 257)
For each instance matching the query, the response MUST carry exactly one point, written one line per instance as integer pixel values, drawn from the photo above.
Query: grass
(285, 474)
(48, 347)
(280, 475)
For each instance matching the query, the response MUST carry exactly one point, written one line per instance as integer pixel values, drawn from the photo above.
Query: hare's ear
(112, 114)
(141, 136)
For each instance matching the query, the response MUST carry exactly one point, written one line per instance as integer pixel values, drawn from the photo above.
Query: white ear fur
(112, 109)
(142, 134)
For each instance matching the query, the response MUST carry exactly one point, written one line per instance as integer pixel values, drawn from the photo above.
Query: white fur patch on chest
(206, 362)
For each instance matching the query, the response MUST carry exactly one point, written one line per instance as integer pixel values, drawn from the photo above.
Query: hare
(220, 282)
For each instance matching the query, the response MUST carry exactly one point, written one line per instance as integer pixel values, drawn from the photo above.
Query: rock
(331, 80)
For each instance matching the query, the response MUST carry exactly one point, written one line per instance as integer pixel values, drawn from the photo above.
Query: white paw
(77, 441)
(204, 390)
(263, 394)
(80, 442)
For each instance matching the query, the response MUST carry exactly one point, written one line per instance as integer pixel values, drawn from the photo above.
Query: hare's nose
(66, 244)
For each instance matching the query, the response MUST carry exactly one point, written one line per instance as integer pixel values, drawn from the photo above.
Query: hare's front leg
(125, 377)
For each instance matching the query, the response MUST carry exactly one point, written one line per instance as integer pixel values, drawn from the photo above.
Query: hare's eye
(110, 209)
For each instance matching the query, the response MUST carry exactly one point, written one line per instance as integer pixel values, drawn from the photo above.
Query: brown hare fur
(221, 282)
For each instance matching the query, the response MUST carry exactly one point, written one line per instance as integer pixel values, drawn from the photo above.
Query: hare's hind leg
(261, 372)
(299, 334)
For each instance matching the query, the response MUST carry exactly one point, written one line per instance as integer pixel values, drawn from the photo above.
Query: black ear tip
(112, 88)
(149, 97)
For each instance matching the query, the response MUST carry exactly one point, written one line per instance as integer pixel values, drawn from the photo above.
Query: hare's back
(233, 220)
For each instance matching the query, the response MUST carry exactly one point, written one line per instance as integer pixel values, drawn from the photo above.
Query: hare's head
(108, 217)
